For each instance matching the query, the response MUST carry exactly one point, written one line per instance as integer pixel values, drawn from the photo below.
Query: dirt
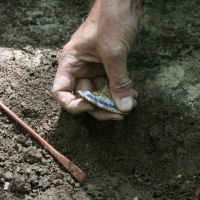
(152, 155)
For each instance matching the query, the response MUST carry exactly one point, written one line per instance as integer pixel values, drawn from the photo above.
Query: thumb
(120, 84)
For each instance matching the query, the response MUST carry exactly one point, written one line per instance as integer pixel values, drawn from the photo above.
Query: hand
(96, 53)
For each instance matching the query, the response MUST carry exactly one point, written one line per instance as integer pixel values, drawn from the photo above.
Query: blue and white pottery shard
(101, 99)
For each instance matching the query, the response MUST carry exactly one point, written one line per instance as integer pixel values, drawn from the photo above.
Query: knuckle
(116, 53)
(121, 85)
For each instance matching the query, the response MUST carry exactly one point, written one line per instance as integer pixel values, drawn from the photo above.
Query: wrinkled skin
(97, 54)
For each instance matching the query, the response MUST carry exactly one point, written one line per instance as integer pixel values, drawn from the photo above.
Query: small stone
(8, 175)
(179, 176)
(28, 170)
(76, 187)
(6, 186)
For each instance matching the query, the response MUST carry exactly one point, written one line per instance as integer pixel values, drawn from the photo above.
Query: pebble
(6, 186)
(179, 176)
(8, 175)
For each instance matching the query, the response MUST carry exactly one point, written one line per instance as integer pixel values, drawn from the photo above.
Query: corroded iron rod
(73, 169)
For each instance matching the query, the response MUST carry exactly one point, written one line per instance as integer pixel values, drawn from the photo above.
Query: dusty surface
(152, 154)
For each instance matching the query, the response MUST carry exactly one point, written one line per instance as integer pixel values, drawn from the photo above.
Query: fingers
(94, 84)
(76, 105)
(135, 93)
(99, 83)
(120, 83)
(65, 83)
(71, 103)
(83, 84)
(103, 115)
(63, 86)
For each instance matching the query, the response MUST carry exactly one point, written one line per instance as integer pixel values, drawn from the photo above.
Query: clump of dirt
(152, 154)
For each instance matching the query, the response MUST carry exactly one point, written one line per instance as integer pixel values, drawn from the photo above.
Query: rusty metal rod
(73, 169)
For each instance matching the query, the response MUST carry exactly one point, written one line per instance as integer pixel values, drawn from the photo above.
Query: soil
(152, 155)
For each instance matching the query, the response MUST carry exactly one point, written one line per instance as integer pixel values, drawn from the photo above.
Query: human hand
(96, 53)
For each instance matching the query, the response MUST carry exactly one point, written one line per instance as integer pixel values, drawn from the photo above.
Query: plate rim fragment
(100, 102)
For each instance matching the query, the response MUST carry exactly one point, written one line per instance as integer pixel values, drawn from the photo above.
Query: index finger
(63, 86)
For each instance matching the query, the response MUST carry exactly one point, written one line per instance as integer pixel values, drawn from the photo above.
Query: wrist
(109, 6)
(117, 3)
(104, 8)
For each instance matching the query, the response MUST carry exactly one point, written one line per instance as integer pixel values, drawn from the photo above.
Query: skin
(97, 55)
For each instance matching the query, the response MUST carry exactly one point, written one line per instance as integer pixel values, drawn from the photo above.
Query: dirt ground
(152, 155)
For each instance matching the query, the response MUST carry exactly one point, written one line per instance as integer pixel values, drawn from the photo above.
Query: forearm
(116, 5)
(110, 9)
(108, 16)
(130, 2)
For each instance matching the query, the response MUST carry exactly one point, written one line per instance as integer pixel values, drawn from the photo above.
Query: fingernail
(126, 104)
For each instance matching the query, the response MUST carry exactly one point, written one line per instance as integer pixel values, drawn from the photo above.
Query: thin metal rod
(73, 169)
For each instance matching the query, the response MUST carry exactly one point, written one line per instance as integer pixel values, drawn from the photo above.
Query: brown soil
(152, 155)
